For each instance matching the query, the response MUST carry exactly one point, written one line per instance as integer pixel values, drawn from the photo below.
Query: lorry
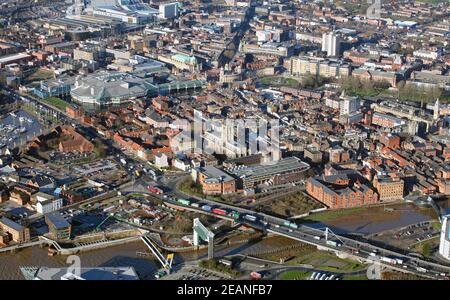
(420, 269)
(286, 223)
(332, 243)
(389, 260)
(206, 208)
(293, 225)
(219, 211)
(235, 215)
(108, 208)
(250, 218)
(183, 201)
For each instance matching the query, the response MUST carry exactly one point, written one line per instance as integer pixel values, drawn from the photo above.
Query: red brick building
(75, 112)
(214, 181)
(339, 191)
(74, 141)
(390, 141)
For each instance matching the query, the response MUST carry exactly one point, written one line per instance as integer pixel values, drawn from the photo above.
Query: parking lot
(96, 168)
(417, 233)
(194, 273)
(75, 157)
(406, 237)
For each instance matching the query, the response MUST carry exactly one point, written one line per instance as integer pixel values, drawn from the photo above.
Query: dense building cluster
(242, 95)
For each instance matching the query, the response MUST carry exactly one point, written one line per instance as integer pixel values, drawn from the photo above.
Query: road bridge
(361, 250)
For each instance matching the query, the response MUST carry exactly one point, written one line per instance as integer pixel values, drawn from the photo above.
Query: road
(359, 249)
(225, 57)
(362, 250)
(87, 131)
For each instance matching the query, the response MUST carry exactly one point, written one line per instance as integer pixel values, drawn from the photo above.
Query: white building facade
(46, 205)
(331, 44)
(444, 245)
(168, 10)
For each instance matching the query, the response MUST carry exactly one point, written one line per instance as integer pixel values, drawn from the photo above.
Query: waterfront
(120, 255)
(12, 124)
(375, 220)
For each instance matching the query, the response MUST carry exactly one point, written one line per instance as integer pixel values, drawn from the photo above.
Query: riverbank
(369, 220)
(114, 256)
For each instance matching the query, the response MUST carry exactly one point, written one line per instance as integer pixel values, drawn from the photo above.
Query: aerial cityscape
(225, 140)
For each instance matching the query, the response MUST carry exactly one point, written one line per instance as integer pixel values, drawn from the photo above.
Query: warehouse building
(16, 232)
(389, 188)
(341, 191)
(214, 181)
(14, 58)
(284, 171)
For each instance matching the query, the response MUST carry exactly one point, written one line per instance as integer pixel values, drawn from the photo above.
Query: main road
(88, 131)
(228, 53)
(345, 246)
(358, 249)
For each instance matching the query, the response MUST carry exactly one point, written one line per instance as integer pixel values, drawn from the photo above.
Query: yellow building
(389, 188)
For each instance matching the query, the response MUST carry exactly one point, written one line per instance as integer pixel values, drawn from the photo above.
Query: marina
(17, 128)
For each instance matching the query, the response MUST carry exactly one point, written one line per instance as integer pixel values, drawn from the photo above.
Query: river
(376, 220)
(120, 255)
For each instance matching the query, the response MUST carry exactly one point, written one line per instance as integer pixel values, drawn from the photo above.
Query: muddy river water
(126, 255)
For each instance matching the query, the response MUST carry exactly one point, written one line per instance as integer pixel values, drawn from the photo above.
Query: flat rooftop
(57, 220)
(215, 175)
(286, 165)
(11, 224)
(8, 58)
